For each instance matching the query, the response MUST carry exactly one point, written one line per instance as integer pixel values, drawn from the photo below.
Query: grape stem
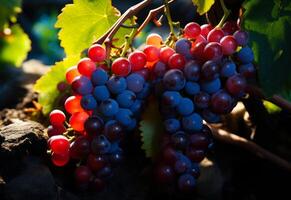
(129, 39)
(169, 18)
(226, 13)
(230, 138)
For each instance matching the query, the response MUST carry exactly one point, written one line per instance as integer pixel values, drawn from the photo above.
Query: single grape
(137, 60)
(230, 27)
(73, 104)
(169, 155)
(109, 107)
(100, 145)
(192, 122)
(86, 67)
(97, 53)
(228, 44)
(101, 93)
(211, 86)
(245, 55)
(126, 98)
(94, 125)
(185, 107)
(215, 35)
(247, 70)
(183, 47)
(116, 84)
(88, 102)
(82, 85)
(179, 140)
(71, 74)
(177, 61)
(159, 69)
(210, 117)
(205, 29)
(82, 174)
(80, 148)
(99, 77)
(183, 164)
(213, 51)
(77, 121)
(174, 80)
(202, 100)
(56, 130)
(135, 82)
(195, 155)
(197, 50)
(241, 37)
(192, 30)
(236, 85)
(171, 98)
(228, 69)
(121, 67)
(105, 172)
(199, 141)
(57, 117)
(192, 71)
(145, 73)
(154, 39)
(199, 39)
(172, 125)
(59, 144)
(166, 53)
(96, 162)
(60, 160)
(137, 107)
(192, 88)
(221, 102)
(210, 70)
(113, 130)
(145, 92)
(186, 182)
(124, 116)
(152, 53)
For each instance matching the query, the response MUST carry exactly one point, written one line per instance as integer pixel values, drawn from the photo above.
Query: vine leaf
(14, 46)
(269, 38)
(84, 21)
(8, 11)
(46, 86)
(151, 128)
(203, 6)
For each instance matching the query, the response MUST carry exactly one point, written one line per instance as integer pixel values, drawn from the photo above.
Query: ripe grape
(121, 67)
(228, 44)
(228, 69)
(186, 182)
(172, 125)
(82, 85)
(245, 55)
(166, 53)
(183, 47)
(135, 82)
(211, 86)
(185, 107)
(124, 116)
(99, 77)
(205, 29)
(192, 71)
(202, 100)
(210, 70)
(230, 27)
(215, 35)
(213, 51)
(73, 104)
(221, 102)
(164, 174)
(192, 30)
(101, 93)
(97, 53)
(179, 140)
(82, 174)
(116, 84)
(80, 148)
(154, 39)
(152, 53)
(247, 70)
(236, 85)
(88, 102)
(96, 162)
(126, 98)
(241, 37)
(56, 130)
(159, 69)
(192, 88)
(57, 118)
(176, 61)
(77, 121)
(60, 160)
(71, 74)
(192, 122)
(113, 130)
(174, 79)
(100, 145)
(137, 60)
(94, 125)
(109, 107)
(86, 67)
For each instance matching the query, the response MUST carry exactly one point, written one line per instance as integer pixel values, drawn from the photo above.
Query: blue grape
(88, 102)
(192, 122)
(109, 107)
(136, 107)
(116, 84)
(145, 91)
(185, 107)
(192, 88)
(101, 93)
(245, 55)
(174, 80)
(172, 125)
(183, 46)
(202, 100)
(186, 182)
(210, 117)
(211, 86)
(99, 77)
(179, 140)
(194, 170)
(124, 116)
(247, 70)
(160, 69)
(82, 85)
(132, 125)
(100, 145)
(192, 71)
(182, 164)
(171, 98)
(126, 98)
(241, 37)
(210, 70)
(135, 82)
(228, 69)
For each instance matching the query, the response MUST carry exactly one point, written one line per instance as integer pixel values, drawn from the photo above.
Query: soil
(229, 172)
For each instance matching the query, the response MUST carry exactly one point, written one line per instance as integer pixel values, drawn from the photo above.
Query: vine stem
(226, 13)
(230, 138)
(129, 39)
(169, 17)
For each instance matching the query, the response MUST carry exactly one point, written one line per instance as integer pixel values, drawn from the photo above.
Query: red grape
(230, 27)
(236, 85)
(196, 155)
(228, 44)
(205, 29)
(86, 67)
(73, 104)
(59, 144)
(192, 30)
(213, 51)
(198, 49)
(176, 61)
(56, 130)
(80, 148)
(57, 117)
(137, 60)
(71, 74)
(77, 121)
(166, 53)
(60, 159)
(215, 35)
(95, 162)
(152, 53)
(121, 67)
(154, 39)
(97, 53)
(83, 174)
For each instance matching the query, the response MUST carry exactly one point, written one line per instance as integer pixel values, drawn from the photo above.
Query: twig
(275, 99)
(226, 13)
(231, 138)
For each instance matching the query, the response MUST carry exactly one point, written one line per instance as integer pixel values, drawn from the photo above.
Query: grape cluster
(102, 109)
(200, 77)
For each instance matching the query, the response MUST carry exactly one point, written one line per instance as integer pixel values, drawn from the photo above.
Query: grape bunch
(103, 107)
(200, 76)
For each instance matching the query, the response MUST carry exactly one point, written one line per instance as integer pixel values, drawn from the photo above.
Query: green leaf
(8, 11)
(203, 6)
(46, 86)
(84, 21)
(271, 108)
(14, 46)
(151, 128)
(269, 25)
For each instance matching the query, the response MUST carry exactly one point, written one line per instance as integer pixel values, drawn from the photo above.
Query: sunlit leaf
(203, 6)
